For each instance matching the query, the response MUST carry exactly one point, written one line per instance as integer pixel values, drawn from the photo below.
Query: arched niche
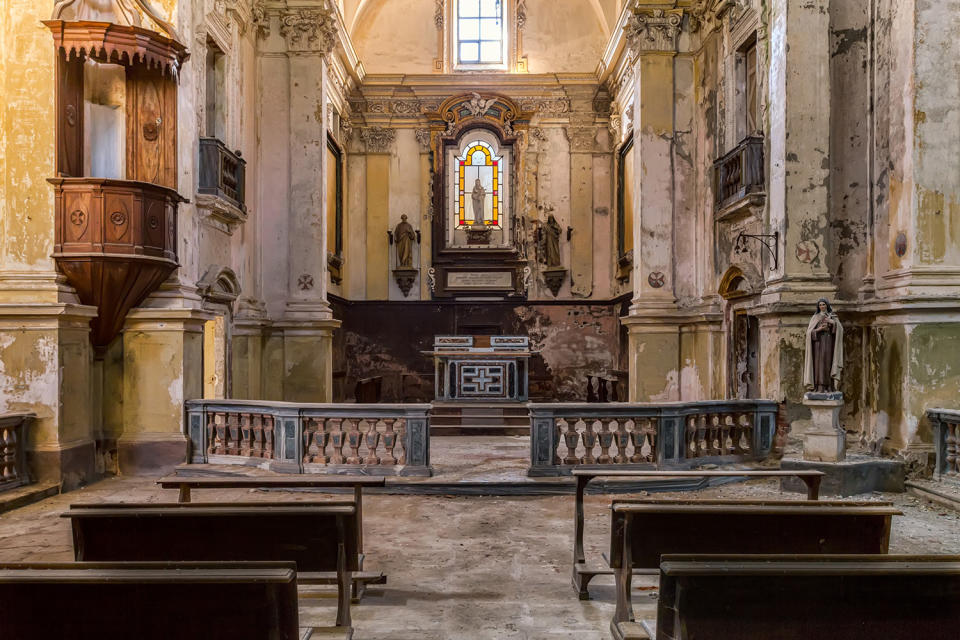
(739, 281)
(479, 171)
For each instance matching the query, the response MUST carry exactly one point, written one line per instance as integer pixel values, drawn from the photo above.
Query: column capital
(653, 29)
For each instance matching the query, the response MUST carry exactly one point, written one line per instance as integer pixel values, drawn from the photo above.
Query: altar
(481, 368)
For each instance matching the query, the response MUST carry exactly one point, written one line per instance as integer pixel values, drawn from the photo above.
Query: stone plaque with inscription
(480, 280)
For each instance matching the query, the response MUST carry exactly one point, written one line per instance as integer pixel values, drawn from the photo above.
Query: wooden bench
(802, 597)
(152, 601)
(584, 573)
(640, 532)
(320, 538)
(360, 578)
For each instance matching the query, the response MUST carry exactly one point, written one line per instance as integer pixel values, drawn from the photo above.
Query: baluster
(691, 436)
(5, 458)
(245, 445)
(951, 456)
(606, 441)
(353, 440)
(589, 441)
(309, 431)
(736, 432)
(402, 439)
(557, 438)
(320, 439)
(389, 442)
(372, 440)
(12, 444)
(222, 433)
(652, 440)
(211, 427)
(268, 436)
(747, 432)
(256, 449)
(570, 438)
(623, 441)
(703, 448)
(336, 440)
(233, 427)
(714, 423)
(601, 389)
(638, 435)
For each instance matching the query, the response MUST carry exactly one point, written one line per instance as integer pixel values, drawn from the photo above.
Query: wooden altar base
(479, 419)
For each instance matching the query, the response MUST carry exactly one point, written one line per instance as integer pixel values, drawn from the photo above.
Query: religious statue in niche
(554, 274)
(478, 194)
(823, 358)
(403, 237)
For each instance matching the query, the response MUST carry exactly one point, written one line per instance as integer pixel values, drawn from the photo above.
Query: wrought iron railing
(946, 438)
(648, 435)
(374, 439)
(222, 172)
(739, 173)
(13, 451)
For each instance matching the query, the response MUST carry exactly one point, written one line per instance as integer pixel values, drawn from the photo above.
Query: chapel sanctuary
(480, 319)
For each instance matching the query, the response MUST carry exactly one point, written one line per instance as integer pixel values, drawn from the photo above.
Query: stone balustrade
(648, 435)
(372, 439)
(946, 438)
(13, 452)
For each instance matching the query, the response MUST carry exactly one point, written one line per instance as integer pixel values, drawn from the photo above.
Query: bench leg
(184, 494)
(813, 487)
(581, 579)
(343, 588)
(624, 575)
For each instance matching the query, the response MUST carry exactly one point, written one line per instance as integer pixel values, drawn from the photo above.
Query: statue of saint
(823, 357)
(478, 194)
(551, 241)
(403, 236)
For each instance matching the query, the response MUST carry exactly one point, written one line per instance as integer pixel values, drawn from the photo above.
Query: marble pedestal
(825, 441)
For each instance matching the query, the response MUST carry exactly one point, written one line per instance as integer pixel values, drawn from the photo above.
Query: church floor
(479, 568)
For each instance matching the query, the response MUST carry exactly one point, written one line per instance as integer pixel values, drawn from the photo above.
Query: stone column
(309, 35)
(799, 149)
(652, 36)
(45, 353)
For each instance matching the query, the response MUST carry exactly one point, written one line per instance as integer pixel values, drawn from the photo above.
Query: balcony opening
(104, 101)
(216, 117)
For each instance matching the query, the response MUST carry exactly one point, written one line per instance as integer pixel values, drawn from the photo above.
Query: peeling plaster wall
(387, 340)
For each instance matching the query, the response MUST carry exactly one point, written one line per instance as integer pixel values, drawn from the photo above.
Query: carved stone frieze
(521, 14)
(406, 107)
(547, 106)
(438, 14)
(654, 30)
(378, 139)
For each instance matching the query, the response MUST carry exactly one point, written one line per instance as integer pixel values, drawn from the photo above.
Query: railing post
(764, 425)
(288, 438)
(197, 431)
(670, 436)
(417, 439)
(543, 440)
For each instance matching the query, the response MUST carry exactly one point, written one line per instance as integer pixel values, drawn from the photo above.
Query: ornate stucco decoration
(309, 29)
(521, 14)
(581, 138)
(378, 139)
(261, 20)
(423, 137)
(469, 109)
(438, 14)
(546, 106)
(654, 30)
(122, 12)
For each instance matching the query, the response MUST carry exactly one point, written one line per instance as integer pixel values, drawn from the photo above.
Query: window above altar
(479, 183)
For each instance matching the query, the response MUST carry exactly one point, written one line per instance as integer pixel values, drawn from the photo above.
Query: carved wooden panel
(151, 127)
(69, 125)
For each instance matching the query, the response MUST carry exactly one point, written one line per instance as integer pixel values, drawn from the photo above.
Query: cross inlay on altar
(480, 368)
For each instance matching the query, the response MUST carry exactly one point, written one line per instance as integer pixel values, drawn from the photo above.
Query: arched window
(479, 188)
(479, 178)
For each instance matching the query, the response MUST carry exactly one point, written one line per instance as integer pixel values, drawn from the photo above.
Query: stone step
(22, 496)
(478, 430)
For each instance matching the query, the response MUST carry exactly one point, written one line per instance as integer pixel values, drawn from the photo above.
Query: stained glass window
(479, 182)
(480, 32)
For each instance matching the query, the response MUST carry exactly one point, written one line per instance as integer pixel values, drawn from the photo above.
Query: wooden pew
(640, 532)
(802, 597)
(584, 573)
(359, 579)
(320, 539)
(151, 601)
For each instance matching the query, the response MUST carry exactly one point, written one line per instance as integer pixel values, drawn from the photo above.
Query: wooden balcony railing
(371, 439)
(739, 173)
(946, 438)
(13, 452)
(648, 436)
(222, 172)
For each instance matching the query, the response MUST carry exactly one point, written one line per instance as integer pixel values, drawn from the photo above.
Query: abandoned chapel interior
(672, 283)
